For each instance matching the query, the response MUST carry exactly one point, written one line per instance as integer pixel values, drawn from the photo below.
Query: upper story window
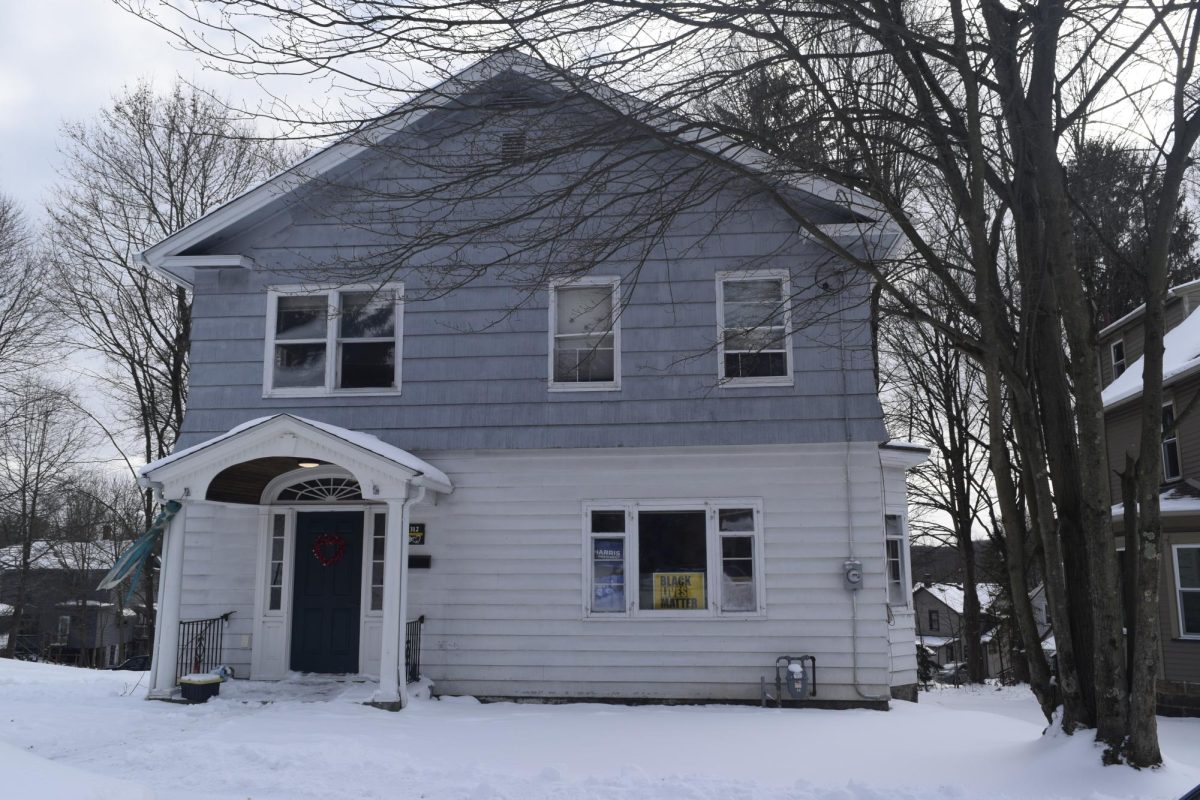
(1117, 350)
(1187, 586)
(585, 334)
(336, 340)
(935, 622)
(754, 339)
(673, 559)
(1170, 444)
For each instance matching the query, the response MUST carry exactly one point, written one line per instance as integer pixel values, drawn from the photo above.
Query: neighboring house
(1179, 676)
(939, 620)
(65, 619)
(606, 494)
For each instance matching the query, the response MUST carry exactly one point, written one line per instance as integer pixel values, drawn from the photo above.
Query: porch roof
(423, 472)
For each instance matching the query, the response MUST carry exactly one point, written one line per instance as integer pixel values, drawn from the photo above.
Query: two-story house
(1179, 678)
(646, 482)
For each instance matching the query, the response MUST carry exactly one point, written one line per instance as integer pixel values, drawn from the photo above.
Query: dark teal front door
(327, 597)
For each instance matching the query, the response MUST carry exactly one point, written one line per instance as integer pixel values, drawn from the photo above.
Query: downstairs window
(687, 560)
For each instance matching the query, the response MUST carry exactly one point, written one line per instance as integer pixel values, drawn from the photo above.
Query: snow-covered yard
(73, 733)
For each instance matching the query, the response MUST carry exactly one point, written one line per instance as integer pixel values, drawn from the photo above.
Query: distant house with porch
(646, 483)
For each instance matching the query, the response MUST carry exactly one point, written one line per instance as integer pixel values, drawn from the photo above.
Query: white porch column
(392, 685)
(170, 592)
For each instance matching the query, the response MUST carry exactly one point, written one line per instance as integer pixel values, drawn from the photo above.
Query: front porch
(300, 531)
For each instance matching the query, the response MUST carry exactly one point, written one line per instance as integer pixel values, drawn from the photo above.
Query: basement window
(344, 340)
(689, 560)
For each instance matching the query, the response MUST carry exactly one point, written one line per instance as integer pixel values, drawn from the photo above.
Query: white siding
(503, 600)
(220, 550)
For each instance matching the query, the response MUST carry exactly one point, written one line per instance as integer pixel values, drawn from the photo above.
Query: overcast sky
(64, 60)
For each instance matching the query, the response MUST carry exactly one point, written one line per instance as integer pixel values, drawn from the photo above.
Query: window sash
(720, 525)
(580, 353)
(328, 353)
(754, 344)
(378, 544)
(1117, 352)
(1170, 444)
(1187, 590)
(275, 562)
(897, 574)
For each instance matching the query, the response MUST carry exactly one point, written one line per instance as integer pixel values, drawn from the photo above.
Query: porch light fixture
(308, 464)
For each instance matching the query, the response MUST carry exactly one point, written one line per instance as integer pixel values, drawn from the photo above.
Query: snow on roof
(1181, 499)
(952, 595)
(1174, 291)
(365, 441)
(936, 641)
(6, 610)
(1181, 355)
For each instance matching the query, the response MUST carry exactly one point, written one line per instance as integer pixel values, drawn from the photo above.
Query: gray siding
(474, 367)
(1180, 657)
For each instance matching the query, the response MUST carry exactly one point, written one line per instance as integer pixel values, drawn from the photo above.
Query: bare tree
(933, 393)
(41, 445)
(143, 168)
(23, 311)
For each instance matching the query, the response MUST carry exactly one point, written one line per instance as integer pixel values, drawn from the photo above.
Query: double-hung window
(935, 622)
(897, 582)
(585, 334)
(1187, 587)
(673, 559)
(344, 340)
(754, 337)
(1170, 444)
(1117, 351)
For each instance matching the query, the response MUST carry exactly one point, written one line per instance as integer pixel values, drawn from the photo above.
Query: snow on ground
(74, 733)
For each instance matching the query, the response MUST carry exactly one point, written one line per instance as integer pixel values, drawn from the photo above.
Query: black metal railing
(200, 644)
(412, 649)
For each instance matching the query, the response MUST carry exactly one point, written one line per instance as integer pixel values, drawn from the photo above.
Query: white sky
(64, 60)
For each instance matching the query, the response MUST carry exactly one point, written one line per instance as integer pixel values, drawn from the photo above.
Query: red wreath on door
(329, 549)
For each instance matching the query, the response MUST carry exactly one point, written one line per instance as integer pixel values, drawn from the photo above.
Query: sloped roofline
(1172, 293)
(352, 145)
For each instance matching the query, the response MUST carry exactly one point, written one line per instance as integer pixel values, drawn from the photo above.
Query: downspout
(849, 504)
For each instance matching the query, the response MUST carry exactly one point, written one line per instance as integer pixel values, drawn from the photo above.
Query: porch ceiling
(246, 482)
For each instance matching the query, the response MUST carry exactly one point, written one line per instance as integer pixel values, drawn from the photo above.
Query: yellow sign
(679, 590)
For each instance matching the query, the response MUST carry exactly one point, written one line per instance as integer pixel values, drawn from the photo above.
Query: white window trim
(1179, 590)
(576, 386)
(713, 573)
(1112, 356)
(905, 602)
(1178, 452)
(776, 380)
(334, 292)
